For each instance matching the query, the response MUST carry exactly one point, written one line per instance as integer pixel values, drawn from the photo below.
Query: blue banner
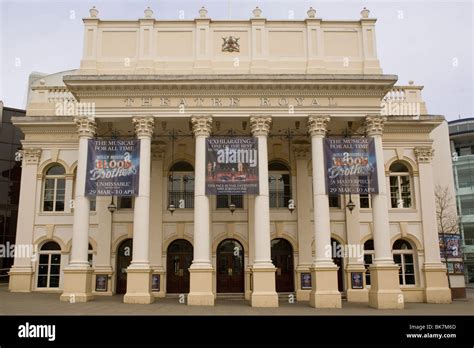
(351, 166)
(113, 167)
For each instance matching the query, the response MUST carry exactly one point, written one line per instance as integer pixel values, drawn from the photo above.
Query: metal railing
(177, 197)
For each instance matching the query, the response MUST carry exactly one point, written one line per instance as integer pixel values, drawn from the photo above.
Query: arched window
(49, 265)
(403, 256)
(279, 180)
(181, 185)
(400, 186)
(54, 188)
(90, 255)
(369, 255)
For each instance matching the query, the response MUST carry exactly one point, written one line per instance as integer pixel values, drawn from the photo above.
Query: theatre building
(148, 100)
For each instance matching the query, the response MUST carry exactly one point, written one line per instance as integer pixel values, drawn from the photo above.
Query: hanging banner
(350, 166)
(113, 167)
(232, 166)
(450, 246)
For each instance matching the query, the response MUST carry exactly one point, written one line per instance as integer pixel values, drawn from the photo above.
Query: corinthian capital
(86, 126)
(202, 125)
(318, 125)
(374, 125)
(144, 126)
(424, 154)
(31, 155)
(260, 125)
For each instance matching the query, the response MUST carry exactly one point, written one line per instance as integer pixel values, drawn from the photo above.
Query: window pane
(397, 258)
(364, 201)
(409, 279)
(54, 270)
(54, 281)
(56, 170)
(42, 281)
(43, 259)
(394, 192)
(43, 269)
(56, 259)
(48, 206)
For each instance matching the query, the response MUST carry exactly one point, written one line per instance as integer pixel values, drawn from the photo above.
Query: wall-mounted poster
(155, 282)
(113, 167)
(232, 166)
(305, 281)
(450, 246)
(350, 165)
(101, 282)
(357, 282)
(450, 268)
(458, 268)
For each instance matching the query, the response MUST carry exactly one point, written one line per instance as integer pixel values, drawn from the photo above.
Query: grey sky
(430, 42)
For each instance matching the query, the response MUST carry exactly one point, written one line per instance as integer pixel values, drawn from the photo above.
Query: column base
(263, 292)
(200, 287)
(436, 280)
(77, 285)
(385, 290)
(138, 286)
(20, 279)
(325, 293)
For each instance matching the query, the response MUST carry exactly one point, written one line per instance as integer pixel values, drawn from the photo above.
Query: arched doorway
(339, 261)
(124, 258)
(230, 266)
(282, 258)
(178, 260)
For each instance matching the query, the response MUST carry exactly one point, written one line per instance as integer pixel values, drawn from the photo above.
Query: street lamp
(350, 205)
(112, 207)
(171, 208)
(232, 208)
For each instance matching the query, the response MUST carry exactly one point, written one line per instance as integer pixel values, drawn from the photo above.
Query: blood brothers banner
(113, 167)
(351, 165)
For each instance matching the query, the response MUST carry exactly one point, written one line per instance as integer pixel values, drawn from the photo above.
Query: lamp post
(232, 208)
(350, 205)
(112, 207)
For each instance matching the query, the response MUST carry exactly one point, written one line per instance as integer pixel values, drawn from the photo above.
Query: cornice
(238, 85)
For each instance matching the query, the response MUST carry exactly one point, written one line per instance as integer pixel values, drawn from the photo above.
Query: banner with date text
(113, 167)
(350, 165)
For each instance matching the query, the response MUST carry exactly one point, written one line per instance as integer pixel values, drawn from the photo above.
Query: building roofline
(469, 119)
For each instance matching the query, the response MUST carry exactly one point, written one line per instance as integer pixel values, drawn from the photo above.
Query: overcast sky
(430, 42)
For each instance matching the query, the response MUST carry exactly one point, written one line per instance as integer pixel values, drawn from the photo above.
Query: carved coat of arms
(230, 44)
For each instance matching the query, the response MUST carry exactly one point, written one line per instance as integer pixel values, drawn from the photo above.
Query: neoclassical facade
(289, 84)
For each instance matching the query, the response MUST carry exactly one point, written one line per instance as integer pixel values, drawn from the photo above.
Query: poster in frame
(155, 282)
(450, 268)
(357, 281)
(458, 268)
(101, 281)
(305, 281)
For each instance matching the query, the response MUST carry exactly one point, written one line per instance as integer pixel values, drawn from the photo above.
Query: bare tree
(447, 219)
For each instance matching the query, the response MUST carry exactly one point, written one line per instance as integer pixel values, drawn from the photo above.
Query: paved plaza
(49, 304)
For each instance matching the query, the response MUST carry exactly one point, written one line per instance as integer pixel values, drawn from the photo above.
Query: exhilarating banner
(231, 166)
(113, 167)
(350, 165)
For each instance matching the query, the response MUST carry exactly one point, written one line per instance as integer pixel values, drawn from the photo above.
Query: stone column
(21, 273)
(201, 271)
(78, 275)
(263, 270)
(139, 271)
(436, 281)
(385, 288)
(324, 293)
(303, 212)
